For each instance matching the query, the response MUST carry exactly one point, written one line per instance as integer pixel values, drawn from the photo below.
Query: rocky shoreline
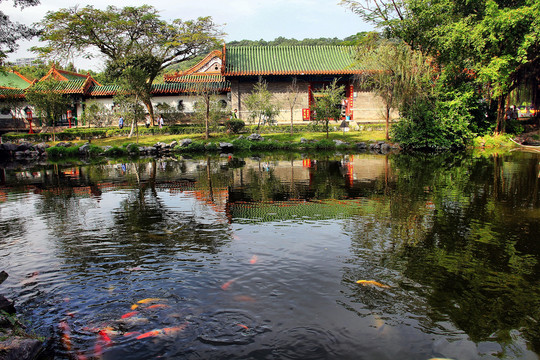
(15, 343)
(29, 152)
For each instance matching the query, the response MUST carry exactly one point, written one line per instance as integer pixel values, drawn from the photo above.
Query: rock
(24, 147)
(241, 137)
(224, 146)
(339, 142)
(20, 348)
(173, 144)
(6, 305)
(385, 148)
(361, 146)
(185, 142)
(9, 147)
(64, 144)
(3, 276)
(303, 140)
(41, 147)
(84, 149)
(255, 137)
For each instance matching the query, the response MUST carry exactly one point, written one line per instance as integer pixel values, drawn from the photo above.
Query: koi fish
(132, 333)
(244, 298)
(253, 259)
(144, 301)
(66, 335)
(243, 326)
(372, 282)
(103, 340)
(129, 314)
(158, 306)
(228, 283)
(149, 300)
(165, 331)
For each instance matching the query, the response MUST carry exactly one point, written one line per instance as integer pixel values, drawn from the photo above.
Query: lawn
(148, 140)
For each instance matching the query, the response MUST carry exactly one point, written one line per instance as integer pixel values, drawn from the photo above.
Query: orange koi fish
(244, 298)
(144, 301)
(129, 314)
(66, 335)
(253, 259)
(243, 326)
(132, 333)
(372, 282)
(158, 306)
(149, 300)
(103, 341)
(160, 332)
(228, 283)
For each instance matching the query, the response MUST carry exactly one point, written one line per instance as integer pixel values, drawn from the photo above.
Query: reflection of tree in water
(463, 230)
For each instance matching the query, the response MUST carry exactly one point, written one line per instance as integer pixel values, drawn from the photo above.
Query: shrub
(115, 151)
(234, 125)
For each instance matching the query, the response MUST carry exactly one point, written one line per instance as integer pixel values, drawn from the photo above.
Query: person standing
(121, 122)
(160, 121)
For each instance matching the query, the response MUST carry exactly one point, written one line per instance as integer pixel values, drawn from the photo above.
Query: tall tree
(11, 32)
(497, 42)
(400, 74)
(261, 104)
(48, 101)
(293, 93)
(328, 104)
(122, 34)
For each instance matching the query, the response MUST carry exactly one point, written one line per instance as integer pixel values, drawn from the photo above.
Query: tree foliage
(261, 104)
(48, 102)
(495, 43)
(328, 104)
(400, 75)
(129, 38)
(11, 32)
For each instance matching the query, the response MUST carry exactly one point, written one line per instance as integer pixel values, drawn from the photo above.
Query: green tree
(11, 32)
(495, 42)
(401, 75)
(48, 101)
(328, 104)
(293, 93)
(209, 109)
(261, 104)
(127, 35)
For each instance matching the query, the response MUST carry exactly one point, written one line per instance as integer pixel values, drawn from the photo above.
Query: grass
(149, 140)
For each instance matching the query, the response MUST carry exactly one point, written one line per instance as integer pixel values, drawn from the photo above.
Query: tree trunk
(501, 115)
(150, 109)
(207, 120)
(291, 121)
(387, 122)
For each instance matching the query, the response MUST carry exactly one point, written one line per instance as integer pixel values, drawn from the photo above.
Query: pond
(278, 257)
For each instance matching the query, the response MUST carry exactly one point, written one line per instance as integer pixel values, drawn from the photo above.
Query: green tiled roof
(12, 80)
(11, 92)
(290, 60)
(169, 88)
(69, 87)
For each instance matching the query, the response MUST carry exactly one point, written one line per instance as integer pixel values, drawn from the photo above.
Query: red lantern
(29, 118)
(69, 116)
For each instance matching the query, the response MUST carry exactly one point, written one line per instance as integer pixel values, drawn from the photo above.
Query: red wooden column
(349, 110)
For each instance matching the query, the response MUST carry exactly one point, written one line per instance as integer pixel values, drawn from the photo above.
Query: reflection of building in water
(358, 168)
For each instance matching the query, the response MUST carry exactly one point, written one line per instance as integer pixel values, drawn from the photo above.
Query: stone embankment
(28, 152)
(14, 342)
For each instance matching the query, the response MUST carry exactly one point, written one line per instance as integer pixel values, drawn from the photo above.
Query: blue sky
(241, 19)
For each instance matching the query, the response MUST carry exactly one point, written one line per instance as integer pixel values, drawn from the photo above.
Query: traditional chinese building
(312, 67)
(232, 74)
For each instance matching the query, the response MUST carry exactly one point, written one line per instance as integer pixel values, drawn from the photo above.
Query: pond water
(263, 257)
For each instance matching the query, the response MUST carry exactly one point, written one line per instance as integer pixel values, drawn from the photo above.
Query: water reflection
(260, 257)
